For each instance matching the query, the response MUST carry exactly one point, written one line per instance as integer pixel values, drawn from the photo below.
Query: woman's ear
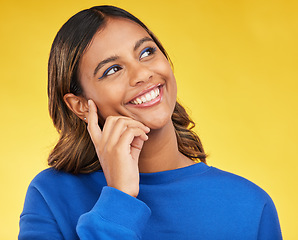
(77, 104)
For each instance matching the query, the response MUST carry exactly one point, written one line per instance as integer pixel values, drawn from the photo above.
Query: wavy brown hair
(75, 152)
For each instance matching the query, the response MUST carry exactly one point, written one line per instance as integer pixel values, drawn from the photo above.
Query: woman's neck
(160, 152)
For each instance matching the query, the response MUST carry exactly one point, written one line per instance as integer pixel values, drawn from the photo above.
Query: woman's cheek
(110, 98)
(163, 68)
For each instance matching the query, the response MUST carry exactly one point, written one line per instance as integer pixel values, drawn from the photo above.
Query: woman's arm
(37, 220)
(269, 228)
(116, 215)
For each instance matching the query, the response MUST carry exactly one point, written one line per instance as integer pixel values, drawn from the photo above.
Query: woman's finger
(120, 125)
(112, 120)
(93, 127)
(127, 140)
(136, 147)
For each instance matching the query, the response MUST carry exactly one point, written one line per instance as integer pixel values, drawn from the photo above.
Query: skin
(134, 139)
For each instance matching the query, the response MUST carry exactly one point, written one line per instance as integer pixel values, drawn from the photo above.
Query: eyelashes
(111, 70)
(147, 52)
(115, 68)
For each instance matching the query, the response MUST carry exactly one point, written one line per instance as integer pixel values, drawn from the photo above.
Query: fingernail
(89, 102)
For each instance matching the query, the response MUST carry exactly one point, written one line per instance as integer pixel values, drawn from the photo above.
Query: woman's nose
(139, 73)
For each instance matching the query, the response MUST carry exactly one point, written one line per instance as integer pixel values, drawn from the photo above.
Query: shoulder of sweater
(238, 184)
(51, 176)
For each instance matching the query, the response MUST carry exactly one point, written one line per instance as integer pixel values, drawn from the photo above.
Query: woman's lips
(149, 98)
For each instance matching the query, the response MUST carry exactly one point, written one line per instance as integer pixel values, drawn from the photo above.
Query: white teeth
(147, 97)
(153, 94)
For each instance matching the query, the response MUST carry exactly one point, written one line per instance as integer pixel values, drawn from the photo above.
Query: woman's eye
(147, 52)
(111, 70)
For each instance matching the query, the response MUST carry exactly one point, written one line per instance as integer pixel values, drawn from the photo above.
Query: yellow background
(236, 68)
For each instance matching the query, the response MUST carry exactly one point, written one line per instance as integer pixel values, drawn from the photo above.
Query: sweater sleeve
(116, 215)
(269, 228)
(37, 220)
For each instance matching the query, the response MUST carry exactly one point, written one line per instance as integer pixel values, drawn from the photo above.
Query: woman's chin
(157, 122)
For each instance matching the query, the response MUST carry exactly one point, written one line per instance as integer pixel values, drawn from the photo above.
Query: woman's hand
(118, 147)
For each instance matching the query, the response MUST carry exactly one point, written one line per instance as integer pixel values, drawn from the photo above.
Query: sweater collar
(173, 175)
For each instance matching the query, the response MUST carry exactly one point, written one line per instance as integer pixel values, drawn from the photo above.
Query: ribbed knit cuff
(123, 209)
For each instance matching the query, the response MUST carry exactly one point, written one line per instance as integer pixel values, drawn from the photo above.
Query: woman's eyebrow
(103, 62)
(141, 41)
(114, 58)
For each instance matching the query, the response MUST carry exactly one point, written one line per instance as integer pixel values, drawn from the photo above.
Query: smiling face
(124, 72)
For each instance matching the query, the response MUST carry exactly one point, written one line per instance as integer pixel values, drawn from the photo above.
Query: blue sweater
(195, 202)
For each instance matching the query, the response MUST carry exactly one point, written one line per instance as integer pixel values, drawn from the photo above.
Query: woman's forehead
(117, 33)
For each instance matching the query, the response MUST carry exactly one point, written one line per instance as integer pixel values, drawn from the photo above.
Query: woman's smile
(148, 97)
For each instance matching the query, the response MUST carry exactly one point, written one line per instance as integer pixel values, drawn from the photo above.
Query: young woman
(127, 164)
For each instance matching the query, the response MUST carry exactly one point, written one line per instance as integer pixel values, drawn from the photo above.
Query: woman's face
(125, 73)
